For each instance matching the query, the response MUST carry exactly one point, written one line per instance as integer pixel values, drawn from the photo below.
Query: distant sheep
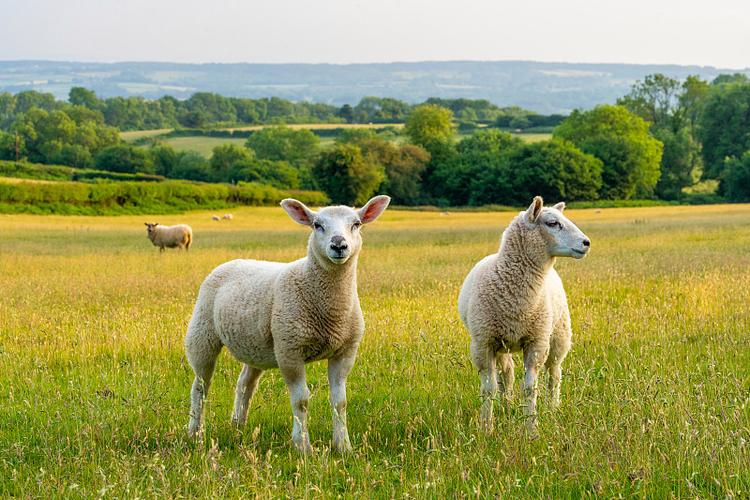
(179, 236)
(215, 218)
(514, 300)
(275, 315)
(227, 217)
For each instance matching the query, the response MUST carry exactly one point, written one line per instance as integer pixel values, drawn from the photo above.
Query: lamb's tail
(189, 240)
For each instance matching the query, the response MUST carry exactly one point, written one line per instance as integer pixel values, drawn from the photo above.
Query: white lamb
(514, 300)
(179, 236)
(275, 315)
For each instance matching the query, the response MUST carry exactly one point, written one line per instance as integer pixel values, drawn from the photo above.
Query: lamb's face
(150, 228)
(336, 236)
(561, 237)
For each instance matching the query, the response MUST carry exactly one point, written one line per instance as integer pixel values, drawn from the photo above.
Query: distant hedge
(24, 170)
(139, 197)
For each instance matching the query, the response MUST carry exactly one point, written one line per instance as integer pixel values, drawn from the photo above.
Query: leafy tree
(485, 149)
(403, 165)
(225, 157)
(724, 123)
(74, 155)
(694, 92)
(298, 147)
(429, 125)
(279, 174)
(620, 139)
(670, 108)
(80, 96)
(192, 166)
(164, 158)
(680, 164)
(735, 181)
(654, 99)
(347, 176)
(729, 79)
(123, 158)
(11, 146)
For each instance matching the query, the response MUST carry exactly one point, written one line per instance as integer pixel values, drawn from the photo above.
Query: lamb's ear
(298, 211)
(560, 206)
(374, 208)
(532, 214)
(145, 224)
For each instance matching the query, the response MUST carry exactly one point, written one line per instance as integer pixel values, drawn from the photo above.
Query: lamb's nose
(338, 243)
(587, 243)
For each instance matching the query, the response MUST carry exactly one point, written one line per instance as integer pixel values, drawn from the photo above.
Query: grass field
(134, 135)
(201, 144)
(655, 399)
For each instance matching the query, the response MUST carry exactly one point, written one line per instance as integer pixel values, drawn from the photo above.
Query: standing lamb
(276, 315)
(179, 236)
(227, 216)
(514, 300)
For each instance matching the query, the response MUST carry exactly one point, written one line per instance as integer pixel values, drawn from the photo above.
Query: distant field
(325, 126)
(204, 145)
(655, 394)
(533, 137)
(201, 144)
(134, 135)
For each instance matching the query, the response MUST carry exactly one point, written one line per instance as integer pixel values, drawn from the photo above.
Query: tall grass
(656, 390)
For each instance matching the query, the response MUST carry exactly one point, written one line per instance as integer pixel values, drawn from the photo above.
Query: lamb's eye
(356, 225)
(318, 226)
(553, 223)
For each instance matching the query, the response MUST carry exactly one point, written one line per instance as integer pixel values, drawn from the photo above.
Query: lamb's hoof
(303, 447)
(532, 430)
(195, 433)
(342, 447)
(487, 426)
(237, 423)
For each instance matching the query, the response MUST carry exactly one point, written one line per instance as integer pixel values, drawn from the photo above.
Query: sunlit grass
(656, 390)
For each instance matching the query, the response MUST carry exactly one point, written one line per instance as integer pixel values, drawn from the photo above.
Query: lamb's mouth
(578, 252)
(338, 259)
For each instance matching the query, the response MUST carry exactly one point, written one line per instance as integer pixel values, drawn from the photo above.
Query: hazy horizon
(539, 61)
(358, 32)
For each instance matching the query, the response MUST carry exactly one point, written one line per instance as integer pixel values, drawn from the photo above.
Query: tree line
(660, 138)
(208, 110)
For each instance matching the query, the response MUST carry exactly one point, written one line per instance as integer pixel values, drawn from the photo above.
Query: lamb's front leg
(299, 395)
(338, 370)
(534, 356)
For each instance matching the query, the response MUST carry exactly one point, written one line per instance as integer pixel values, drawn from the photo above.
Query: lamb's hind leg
(202, 352)
(534, 356)
(484, 360)
(247, 383)
(506, 374)
(559, 347)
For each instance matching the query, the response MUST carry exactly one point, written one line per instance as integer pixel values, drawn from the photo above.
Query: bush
(735, 181)
(139, 197)
(123, 158)
(347, 176)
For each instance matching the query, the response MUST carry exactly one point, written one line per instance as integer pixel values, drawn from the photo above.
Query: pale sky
(711, 33)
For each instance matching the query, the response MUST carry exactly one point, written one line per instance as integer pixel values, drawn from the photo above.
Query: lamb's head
(151, 229)
(560, 237)
(336, 237)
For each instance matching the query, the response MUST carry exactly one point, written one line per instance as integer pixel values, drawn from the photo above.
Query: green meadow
(655, 394)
